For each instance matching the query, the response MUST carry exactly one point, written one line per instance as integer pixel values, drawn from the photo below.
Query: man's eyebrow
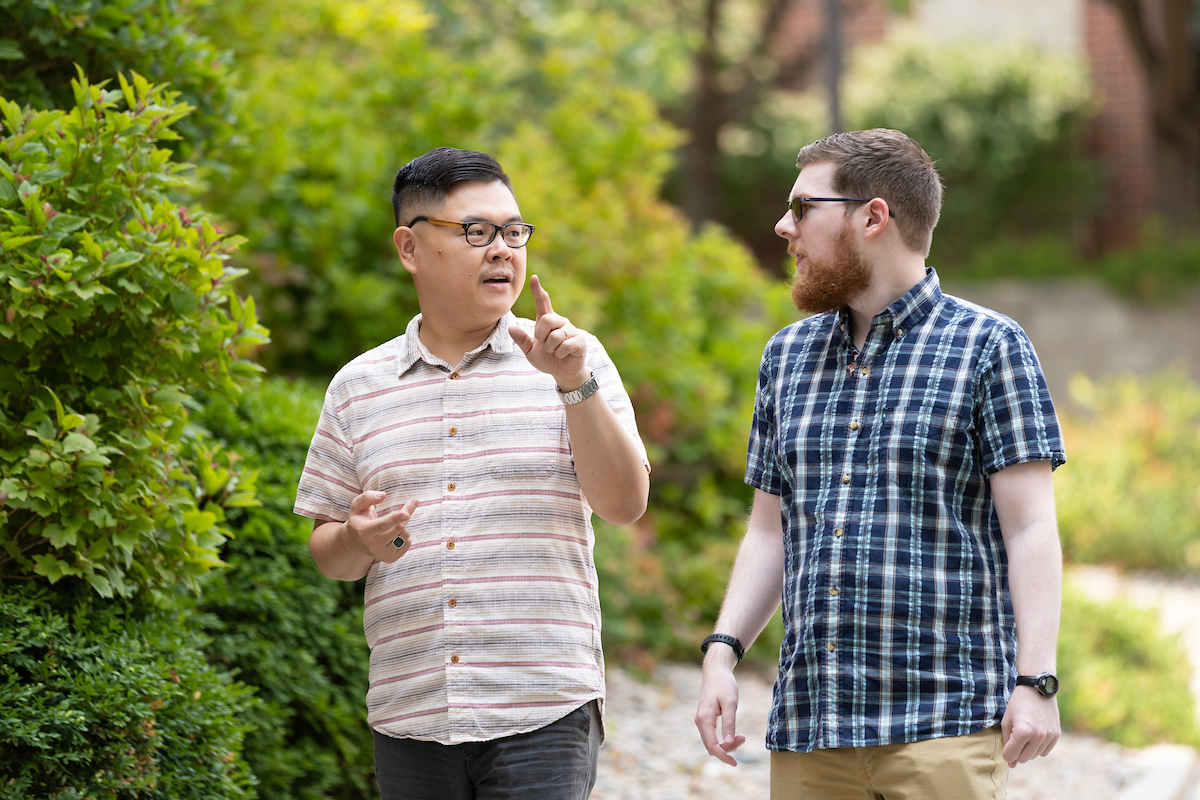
(478, 218)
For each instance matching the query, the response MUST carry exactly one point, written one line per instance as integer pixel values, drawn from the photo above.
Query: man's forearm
(609, 466)
(334, 552)
(1035, 582)
(756, 583)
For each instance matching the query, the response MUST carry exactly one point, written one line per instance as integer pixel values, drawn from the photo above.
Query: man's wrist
(580, 393)
(732, 642)
(575, 382)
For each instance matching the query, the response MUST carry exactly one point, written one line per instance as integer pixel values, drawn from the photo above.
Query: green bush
(115, 305)
(44, 42)
(1122, 678)
(1004, 124)
(272, 619)
(97, 700)
(1130, 494)
(1158, 271)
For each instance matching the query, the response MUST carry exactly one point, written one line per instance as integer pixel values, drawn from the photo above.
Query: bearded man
(901, 454)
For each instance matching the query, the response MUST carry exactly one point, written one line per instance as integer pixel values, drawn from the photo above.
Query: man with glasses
(901, 454)
(456, 467)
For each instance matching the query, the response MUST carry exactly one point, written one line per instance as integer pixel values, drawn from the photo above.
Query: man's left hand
(557, 347)
(1030, 727)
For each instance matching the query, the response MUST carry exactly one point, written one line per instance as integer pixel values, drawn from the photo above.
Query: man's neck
(451, 343)
(887, 286)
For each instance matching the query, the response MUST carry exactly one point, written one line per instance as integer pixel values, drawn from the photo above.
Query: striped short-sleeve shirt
(489, 626)
(898, 621)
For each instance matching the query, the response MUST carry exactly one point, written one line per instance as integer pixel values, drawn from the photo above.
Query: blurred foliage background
(653, 145)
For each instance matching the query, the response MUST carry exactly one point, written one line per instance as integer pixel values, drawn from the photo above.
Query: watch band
(1045, 683)
(582, 393)
(723, 638)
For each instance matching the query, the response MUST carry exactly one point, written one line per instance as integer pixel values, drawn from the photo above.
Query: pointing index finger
(541, 298)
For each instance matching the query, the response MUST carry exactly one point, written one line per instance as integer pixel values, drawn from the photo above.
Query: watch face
(1048, 685)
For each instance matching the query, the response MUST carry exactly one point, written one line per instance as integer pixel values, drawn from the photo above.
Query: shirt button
(453, 431)
(454, 659)
(450, 486)
(832, 591)
(845, 479)
(899, 332)
(854, 426)
(453, 376)
(453, 602)
(828, 647)
(864, 370)
(449, 545)
(838, 533)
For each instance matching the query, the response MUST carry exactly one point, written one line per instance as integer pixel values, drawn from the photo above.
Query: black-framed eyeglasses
(481, 234)
(796, 204)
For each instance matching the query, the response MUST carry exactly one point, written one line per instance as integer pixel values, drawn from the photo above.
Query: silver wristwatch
(582, 393)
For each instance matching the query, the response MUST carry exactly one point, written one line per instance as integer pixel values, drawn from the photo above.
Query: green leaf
(100, 584)
(122, 258)
(196, 521)
(48, 175)
(78, 443)
(10, 50)
(50, 567)
(7, 190)
(72, 421)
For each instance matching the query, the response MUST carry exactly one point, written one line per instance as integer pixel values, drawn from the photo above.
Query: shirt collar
(912, 308)
(412, 351)
(907, 312)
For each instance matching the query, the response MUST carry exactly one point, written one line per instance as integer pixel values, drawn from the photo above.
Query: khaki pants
(951, 768)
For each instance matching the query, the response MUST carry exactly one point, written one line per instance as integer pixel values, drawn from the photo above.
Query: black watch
(1046, 683)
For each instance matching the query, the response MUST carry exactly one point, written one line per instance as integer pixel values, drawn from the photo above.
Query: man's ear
(406, 248)
(877, 217)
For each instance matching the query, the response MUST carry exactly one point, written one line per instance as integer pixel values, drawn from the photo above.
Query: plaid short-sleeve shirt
(489, 626)
(898, 621)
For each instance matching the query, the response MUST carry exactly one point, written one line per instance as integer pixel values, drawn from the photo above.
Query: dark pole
(833, 35)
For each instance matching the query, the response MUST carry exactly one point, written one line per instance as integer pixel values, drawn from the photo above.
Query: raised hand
(557, 347)
(376, 535)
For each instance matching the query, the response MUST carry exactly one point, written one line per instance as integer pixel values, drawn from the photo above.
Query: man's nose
(785, 228)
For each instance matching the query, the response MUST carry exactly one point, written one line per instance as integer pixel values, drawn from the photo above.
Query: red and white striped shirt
(489, 626)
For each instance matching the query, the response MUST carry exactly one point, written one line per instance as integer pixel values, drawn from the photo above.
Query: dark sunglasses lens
(796, 207)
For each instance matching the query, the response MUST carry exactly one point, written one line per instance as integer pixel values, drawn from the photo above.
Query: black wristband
(732, 641)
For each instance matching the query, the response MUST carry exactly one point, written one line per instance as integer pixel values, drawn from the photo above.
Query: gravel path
(653, 751)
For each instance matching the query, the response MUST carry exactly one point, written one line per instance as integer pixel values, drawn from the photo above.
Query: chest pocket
(525, 444)
(938, 432)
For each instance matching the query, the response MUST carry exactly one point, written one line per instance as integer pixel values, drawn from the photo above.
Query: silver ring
(398, 541)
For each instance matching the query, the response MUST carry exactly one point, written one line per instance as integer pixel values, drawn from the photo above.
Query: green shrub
(98, 701)
(1130, 493)
(115, 305)
(43, 43)
(277, 623)
(1004, 124)
(1122, 678)
(1157, 271)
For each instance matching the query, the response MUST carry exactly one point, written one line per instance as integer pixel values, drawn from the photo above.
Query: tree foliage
(117, 304)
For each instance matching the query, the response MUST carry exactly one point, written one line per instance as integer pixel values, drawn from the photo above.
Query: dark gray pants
(557, 762)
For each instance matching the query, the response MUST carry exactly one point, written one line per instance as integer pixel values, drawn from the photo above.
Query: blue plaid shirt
(898, 621)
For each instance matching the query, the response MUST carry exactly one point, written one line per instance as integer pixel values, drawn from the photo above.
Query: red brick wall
(802, 29)
(1121, 138)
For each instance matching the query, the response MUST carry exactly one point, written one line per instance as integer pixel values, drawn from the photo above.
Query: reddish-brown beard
(831, 285)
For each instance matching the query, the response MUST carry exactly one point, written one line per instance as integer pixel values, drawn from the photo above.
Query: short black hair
(428, 179)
